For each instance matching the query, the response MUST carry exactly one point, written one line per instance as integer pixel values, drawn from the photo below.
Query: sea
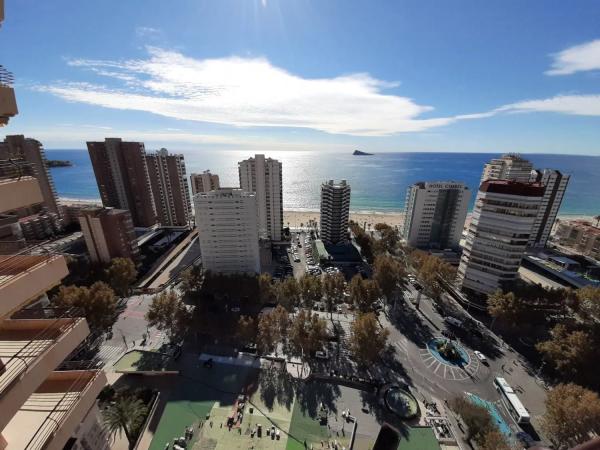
(378, 182)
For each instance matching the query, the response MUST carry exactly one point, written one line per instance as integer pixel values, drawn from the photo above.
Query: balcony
(50, 415)
(33, 343)
(24, 277)
(8, 102)
(18, 186)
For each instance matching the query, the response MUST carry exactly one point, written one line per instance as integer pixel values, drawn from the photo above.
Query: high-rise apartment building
(509, 167)
(227, 221)
(123, 178)
(108, 234)
(435, 214)
(204, 182)
(32, 151)
(264, 177)
(335, 212)
(497, 238)
(42, 401)
(555, 184)
(169, 188)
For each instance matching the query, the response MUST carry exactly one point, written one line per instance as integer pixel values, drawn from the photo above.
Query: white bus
(511, 401)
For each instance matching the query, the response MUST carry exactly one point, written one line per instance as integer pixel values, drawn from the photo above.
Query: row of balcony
(8, 101)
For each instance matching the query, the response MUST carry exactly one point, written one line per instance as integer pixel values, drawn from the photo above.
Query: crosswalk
(447, 371)
(110, 353)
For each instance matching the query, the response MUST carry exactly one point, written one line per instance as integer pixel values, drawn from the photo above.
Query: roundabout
(449, 360)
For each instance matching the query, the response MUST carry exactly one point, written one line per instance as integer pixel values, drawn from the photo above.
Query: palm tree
(126, 414)
(597, 219)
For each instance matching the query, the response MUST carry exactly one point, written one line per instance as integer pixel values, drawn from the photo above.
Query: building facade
(42, 401)
(555, 184)
(204, 182)
(264, 177)
(498, 234)
(509, 167)
(581, 236)
(227, 220)
(335, 212)
(435, 214)
(32, 151)
(123, 179)
(169, 188)
(108, 234)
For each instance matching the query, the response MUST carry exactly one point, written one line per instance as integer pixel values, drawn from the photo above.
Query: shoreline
(295, 217)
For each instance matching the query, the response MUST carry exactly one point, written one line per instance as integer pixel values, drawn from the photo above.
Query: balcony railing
(59, 322)
(15, 168)
(6, 78)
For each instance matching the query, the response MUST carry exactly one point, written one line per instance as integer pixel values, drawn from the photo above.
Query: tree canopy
(569, 351)
(572, 415)
(480, 425)
(333, 289)
(388, 272)
(311, 289)
(191, 281)
(307, 333)
(288, 293)
(367, 339)
(363, 293)
(169, 314)
(127, 413)
(98, 303)
(121, 273)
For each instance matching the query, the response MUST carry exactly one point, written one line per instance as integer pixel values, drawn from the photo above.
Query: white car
(480, 356)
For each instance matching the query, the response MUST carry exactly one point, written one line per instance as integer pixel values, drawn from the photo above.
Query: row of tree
(370, 247)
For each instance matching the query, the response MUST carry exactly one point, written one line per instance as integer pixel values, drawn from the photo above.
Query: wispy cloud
(145, 32)
(249, 92)
(583, 57)
(581, 105)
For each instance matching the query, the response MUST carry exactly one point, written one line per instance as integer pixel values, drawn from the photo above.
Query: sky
(325, 75)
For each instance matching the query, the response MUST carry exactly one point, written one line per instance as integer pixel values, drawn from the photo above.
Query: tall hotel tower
(264, 177)
(123, 179)
(435, 214)
(335, 212)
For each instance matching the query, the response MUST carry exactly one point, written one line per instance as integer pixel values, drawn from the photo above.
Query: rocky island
(359, 153)
(59, 163)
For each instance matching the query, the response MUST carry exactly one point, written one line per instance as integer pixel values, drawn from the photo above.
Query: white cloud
(147, 32)
(249, 92)
(581, 105)
(579, 58)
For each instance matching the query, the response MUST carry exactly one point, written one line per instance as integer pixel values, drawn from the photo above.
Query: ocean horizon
(378, 182)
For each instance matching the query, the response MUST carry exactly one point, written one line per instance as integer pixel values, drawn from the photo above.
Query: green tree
(568, 351)
(572, 415)
(307, 333)
(169, 314)
(191, 281)
(266, 291)
(431, 271)
(389, 240)
(476, 418)
(126, 414)
(247, 329)
(311, 289)
(367, 339)
(121, 273)
(333, 288)
(98, 303)
(506, 307)
(363, 293)
(288, 293)
(388, 273)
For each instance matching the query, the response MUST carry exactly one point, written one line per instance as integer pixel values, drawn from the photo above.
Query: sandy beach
(296, 218)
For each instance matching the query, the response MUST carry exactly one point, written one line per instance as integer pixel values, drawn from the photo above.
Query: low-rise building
(581, 236)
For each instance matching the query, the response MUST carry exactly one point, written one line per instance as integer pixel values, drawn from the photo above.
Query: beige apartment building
(42, 403)
(204, 182)
(108, 234)
(581, 236)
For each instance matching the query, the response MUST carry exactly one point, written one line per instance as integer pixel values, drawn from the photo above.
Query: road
(129, 331)
(410, 330)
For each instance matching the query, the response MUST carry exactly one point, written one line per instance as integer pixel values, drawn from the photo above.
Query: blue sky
(475, 76)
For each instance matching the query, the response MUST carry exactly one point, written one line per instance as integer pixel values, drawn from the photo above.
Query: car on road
(453, 321)
(480, 356)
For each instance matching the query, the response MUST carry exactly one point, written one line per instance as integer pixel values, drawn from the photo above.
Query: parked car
(453, 321)
(321, 354)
